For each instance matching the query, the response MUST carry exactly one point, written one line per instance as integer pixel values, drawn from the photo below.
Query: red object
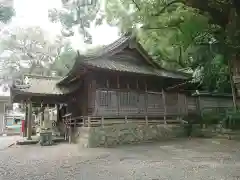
(23, 123)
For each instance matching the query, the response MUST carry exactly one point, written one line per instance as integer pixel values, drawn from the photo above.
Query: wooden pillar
(42, 116)
(199, 108)
(198, 105)
(85, 97)
(26, 120)
(118, 96)
(58, 113)
(70, 129)
(178, 106)
(146, 98)
(29, 124)
(164, 106)
(93, 96)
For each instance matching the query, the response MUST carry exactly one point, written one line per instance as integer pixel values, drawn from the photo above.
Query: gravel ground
(193, 159)
(6, 141)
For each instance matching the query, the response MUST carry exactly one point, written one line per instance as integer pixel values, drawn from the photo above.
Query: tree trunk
(234, 96)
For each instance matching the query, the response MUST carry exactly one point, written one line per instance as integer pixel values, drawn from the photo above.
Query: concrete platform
(35, 140)
(25, 141)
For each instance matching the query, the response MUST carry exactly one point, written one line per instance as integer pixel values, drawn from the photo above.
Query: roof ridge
(41, 76)
(108, 48)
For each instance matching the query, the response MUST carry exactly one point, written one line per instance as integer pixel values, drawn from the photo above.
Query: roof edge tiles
(38, 85)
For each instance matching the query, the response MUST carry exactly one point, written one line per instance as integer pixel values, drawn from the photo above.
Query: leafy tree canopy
(176, 35)
(6, 13)
(30, 50)
(76, 14)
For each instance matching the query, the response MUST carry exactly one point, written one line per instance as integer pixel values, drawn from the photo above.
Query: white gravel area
(195, 159)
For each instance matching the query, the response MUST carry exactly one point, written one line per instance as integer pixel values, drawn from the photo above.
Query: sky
(35, 13)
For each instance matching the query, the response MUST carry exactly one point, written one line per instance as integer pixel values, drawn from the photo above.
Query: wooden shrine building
(119, 80)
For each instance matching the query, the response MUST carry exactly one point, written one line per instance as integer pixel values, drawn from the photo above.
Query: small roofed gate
(111, 103)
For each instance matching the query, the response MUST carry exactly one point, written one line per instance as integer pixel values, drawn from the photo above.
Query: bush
(213, 116)
(232, 119)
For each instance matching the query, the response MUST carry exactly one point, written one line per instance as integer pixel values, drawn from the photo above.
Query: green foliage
(232, 119)
(29, 51)
(65, 61)
(176, 36)
(6, 13)
(228, 117)
(76, 14)
(212, 116)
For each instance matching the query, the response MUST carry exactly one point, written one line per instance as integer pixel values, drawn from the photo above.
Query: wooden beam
(29, 124)
(26, 120)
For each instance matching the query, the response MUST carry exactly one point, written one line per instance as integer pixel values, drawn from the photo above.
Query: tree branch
(147, 27)
(166, 6)
(137, 6)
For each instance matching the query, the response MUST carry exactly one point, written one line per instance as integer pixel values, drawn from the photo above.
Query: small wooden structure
(37, 91)
(119, 81)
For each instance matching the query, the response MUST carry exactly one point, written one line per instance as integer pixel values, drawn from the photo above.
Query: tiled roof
(102, 59)
(40, 85)
(127, 66)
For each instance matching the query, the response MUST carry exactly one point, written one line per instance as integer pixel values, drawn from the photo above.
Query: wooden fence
(101, 121)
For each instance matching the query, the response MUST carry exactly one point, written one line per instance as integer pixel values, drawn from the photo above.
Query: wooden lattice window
(104, 98)
(128, 99)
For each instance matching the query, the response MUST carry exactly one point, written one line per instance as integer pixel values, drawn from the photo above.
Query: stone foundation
(125, 134)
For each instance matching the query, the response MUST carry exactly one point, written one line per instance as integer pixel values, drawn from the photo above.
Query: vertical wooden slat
(164, 106)
(178, 106)
(185, 105)
(65, 129)
(29, 125)
(89, 121)
(146, 98)
(118, 102)
(118, 85)
(70, 129)
(26, 120)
